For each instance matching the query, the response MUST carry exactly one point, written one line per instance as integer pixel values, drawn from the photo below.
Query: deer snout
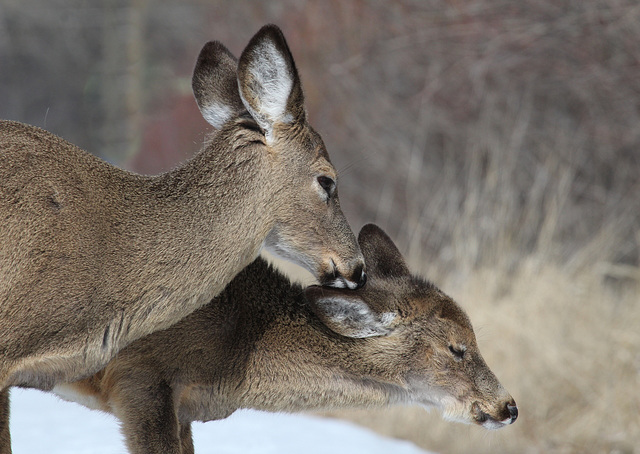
(351, 276)
(359, 276)
(506, 414)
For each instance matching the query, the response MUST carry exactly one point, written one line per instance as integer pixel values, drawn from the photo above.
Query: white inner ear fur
(217, 114)
(358, 317)
(272, 86)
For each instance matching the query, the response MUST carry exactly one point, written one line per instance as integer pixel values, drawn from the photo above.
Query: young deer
(93, 257)
(264, 343)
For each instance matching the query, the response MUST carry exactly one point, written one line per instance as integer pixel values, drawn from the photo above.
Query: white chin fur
(275, 246)
(336, 283)
(492, 424)
(351, 285)
(341, 283)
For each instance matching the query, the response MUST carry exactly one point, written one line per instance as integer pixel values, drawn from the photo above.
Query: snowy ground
(42, 423)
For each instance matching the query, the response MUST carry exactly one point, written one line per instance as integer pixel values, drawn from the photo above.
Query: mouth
(339, 282)
(335, 279)
(492, 423)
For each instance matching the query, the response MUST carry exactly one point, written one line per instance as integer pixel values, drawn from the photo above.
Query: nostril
(359, 276)
(513, 411)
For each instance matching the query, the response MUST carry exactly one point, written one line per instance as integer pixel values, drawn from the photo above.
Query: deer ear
(345, 313)
(215, 85)
(380, 253)
(268, 81)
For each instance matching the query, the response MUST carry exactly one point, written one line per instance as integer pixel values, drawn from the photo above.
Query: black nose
(513, 412)
(357, 278)
(360, 276)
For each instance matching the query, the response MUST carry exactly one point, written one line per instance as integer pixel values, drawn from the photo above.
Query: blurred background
(497, 142)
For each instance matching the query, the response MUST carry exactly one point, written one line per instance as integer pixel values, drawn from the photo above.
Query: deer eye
(457, 352)
(327, 184)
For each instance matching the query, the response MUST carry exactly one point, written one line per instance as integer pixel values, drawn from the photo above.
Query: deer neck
(207, 221)
(298, 364)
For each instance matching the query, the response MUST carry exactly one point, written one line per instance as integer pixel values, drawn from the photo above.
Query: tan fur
(265, 344)
(93, 257)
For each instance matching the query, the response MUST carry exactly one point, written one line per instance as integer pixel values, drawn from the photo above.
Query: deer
(268, 344)
(93, 257)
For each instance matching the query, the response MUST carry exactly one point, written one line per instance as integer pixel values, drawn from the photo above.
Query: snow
(41, 422)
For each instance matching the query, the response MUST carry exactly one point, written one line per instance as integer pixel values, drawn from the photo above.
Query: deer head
(261, 96)
(412, 339)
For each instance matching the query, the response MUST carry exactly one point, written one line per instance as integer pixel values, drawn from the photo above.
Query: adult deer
(264, 343)
(93, 257)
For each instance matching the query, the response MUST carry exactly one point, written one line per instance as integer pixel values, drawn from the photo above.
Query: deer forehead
(301, 142)
(303, 171)
(453, 335)
(323, 167)
(439, 321)
(316, 165)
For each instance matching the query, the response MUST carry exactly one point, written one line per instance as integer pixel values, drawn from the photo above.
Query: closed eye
(327, 184)
(457, 352)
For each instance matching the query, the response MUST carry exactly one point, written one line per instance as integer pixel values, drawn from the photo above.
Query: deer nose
(359, 276)
(336, 278)
(512, 408)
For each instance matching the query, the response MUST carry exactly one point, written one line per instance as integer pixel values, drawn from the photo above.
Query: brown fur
(5, 435)
(93, 257)
(266, 344)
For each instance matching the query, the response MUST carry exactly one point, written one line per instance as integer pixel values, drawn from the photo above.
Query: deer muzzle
(352, 276)
(506, 415)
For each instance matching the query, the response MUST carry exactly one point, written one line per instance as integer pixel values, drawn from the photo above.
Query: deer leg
(5, 434)
(186, 439)
(149, 420)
